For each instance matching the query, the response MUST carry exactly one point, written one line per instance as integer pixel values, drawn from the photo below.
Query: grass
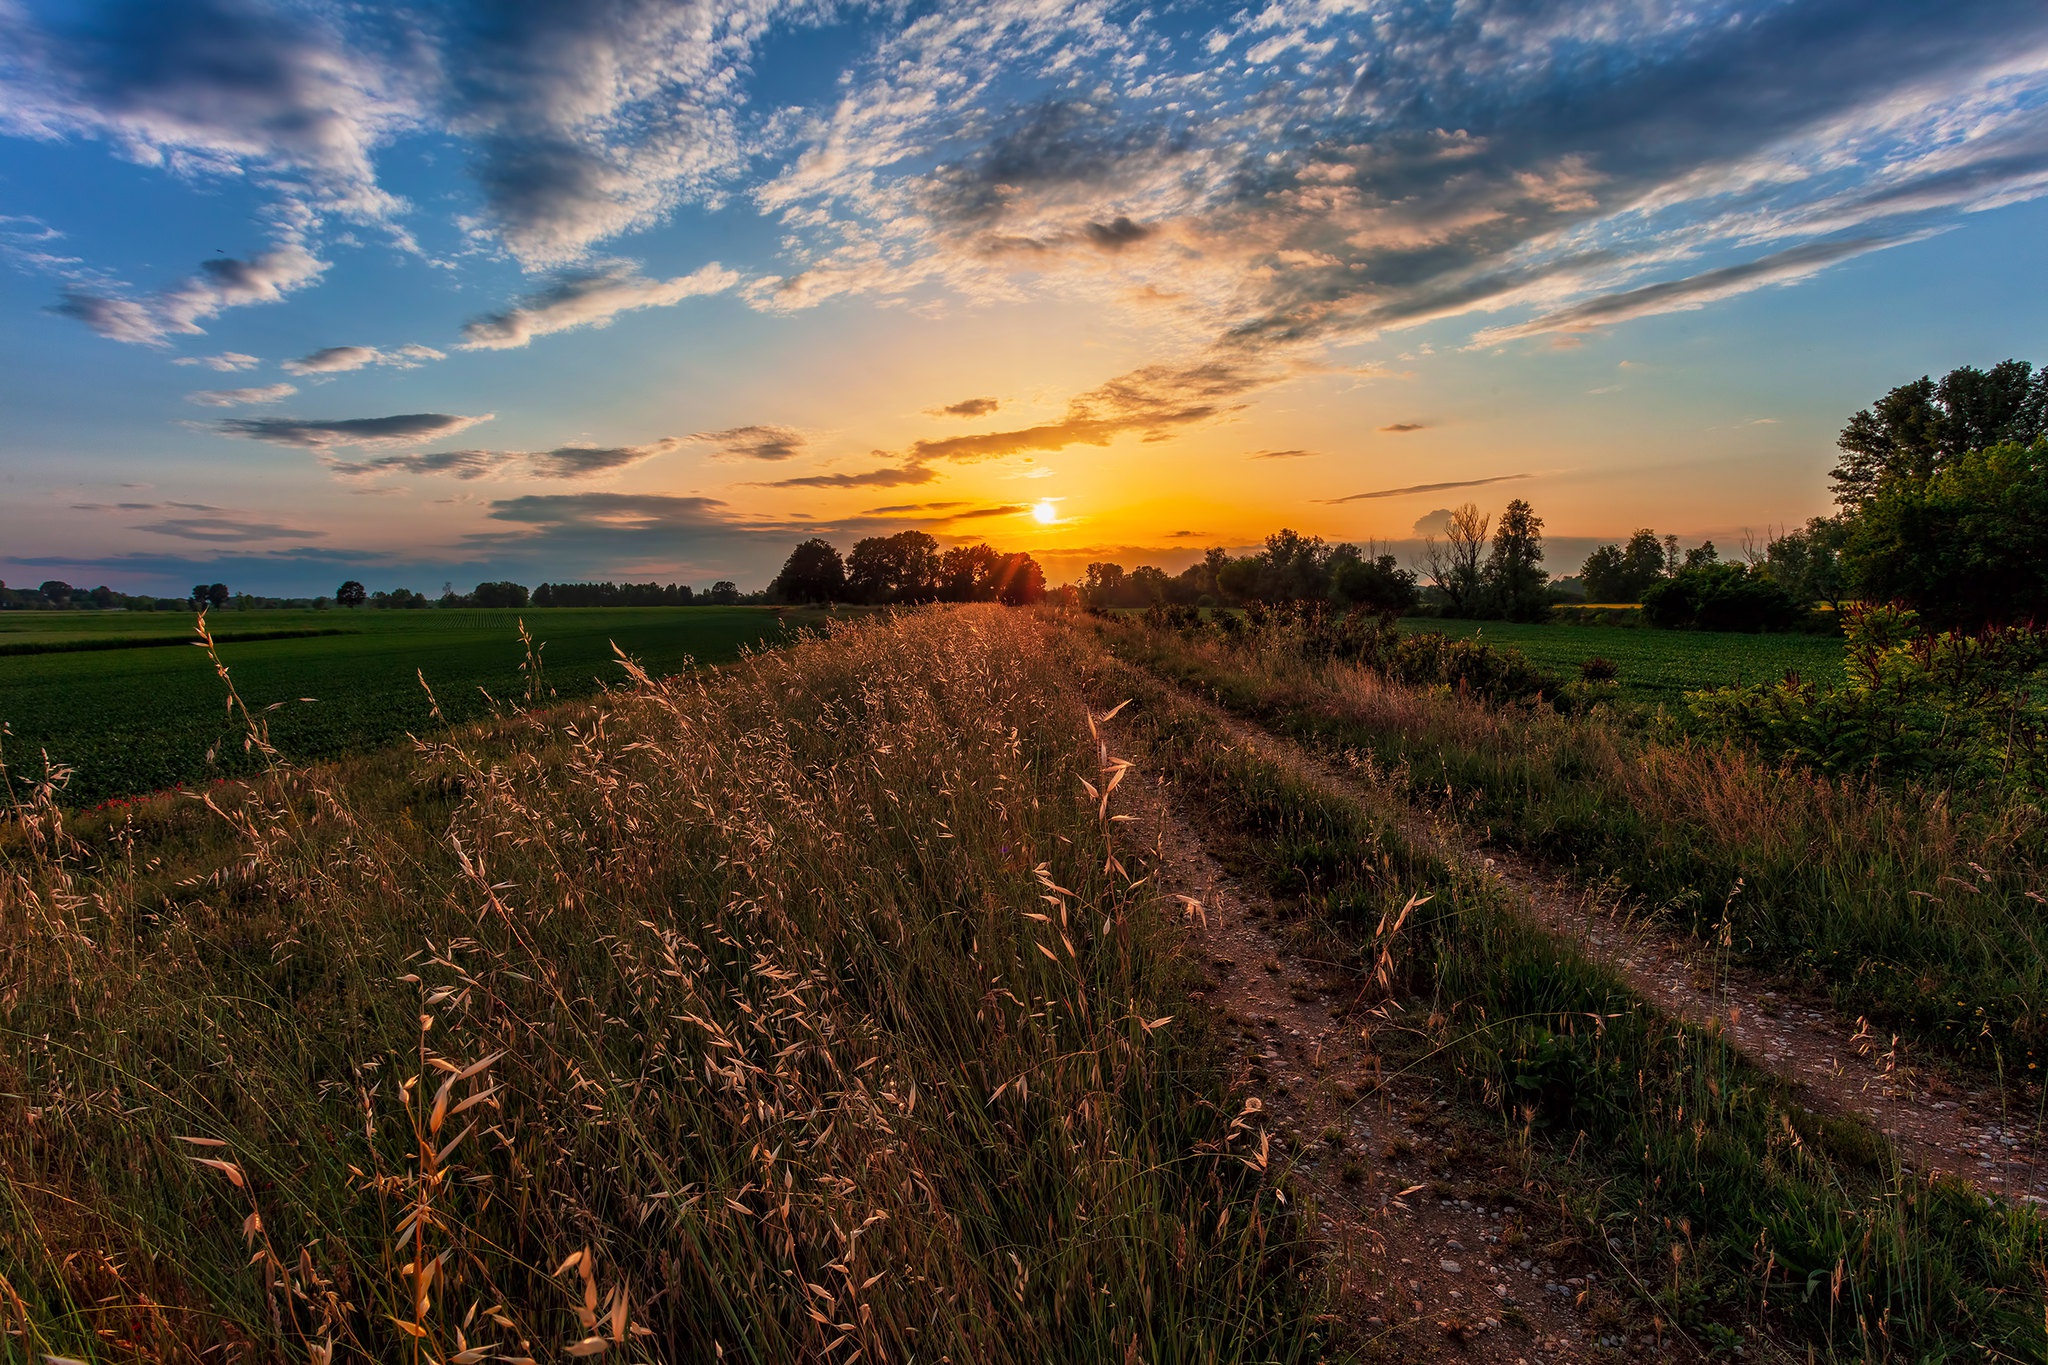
(1916, 908)
(1696, 1175)
(799, 1010)
(144, 719)
(1657, 666)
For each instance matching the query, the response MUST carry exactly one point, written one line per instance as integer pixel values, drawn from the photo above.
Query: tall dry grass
(796, 1012)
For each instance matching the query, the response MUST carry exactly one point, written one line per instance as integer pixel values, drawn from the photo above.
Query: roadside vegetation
(1912, 904)
(1696, 1177)
(795, 1010)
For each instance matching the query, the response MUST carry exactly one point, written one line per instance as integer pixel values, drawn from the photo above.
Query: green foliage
(1513, 578)
(899, 568)
(1379, 584)
(814, 572)
(1616, 573)
(1919, 429)
(1709, 596)
(1950, 705)
(1967, 546)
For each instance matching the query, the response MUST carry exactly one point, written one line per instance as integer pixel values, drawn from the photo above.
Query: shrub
(1969, 706)
(1597, 669)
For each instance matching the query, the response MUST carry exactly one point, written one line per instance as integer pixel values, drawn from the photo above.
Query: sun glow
(1044, 513)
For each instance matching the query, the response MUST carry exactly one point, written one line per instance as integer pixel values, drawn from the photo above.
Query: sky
(574, 289)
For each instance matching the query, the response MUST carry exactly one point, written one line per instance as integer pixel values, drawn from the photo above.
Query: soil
(1436, 1246)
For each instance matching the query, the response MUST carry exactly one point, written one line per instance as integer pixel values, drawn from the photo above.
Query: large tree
(1514, 577)
(1918, 429)
(1623, 573)
(351, 594)
(814, 572)
(1966, 547)
(899, 568)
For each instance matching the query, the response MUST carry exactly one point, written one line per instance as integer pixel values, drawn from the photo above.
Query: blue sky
(614, 288)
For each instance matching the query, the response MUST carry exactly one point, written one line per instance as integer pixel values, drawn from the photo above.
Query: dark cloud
(755, 442)
(966, 407)
(975, 514)
(1422, 488)
(611, 511)
(903, 507)
(225, 530)
(1151, 401)
(1187, 535)
(1280, 454)
(1399, 427)
(889, 476)
(563, 462)
(405, 429)
(1118, 233)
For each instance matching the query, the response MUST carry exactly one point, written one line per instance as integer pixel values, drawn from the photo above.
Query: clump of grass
(1697, 1176)
(1916, 907)
(801, 1011)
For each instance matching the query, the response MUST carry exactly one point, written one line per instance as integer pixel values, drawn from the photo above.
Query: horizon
(624, 292)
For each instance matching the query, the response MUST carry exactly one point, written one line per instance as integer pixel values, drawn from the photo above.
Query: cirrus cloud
(405, 429)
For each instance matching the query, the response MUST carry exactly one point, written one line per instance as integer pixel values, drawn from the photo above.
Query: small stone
(1451, 1267)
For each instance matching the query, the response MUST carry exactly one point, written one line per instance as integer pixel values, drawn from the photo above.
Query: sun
(1044, 513)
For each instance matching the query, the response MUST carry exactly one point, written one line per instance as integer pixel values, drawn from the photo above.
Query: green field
(1659, 665)
(141, 719)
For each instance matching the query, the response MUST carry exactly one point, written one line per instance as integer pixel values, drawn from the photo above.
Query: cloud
(225, 362)
(1151, 401)
(1280, 454)
(1422, 488)
(229, 398)
(1693, 291)
(588, 298)
(966, 407)
(341, 359)
(1434, 523)
(1188, 535)
(755, 442)
(405, 429)
(889, 476)
(222, 282)
(225, 530)
(903, 507)
(1399, 427)
(563, 462)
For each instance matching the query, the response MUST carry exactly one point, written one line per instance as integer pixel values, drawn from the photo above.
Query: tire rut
(1937, 1127)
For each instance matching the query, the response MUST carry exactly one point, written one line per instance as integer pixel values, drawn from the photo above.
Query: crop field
(143, 718)
(1659, 665)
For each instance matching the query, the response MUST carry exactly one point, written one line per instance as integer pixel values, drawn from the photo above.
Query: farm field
(131, 720)
(1658, 665)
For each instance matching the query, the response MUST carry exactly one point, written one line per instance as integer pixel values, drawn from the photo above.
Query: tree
(217, 594)
(199, 595)
(57, 591)
(1453, 565)
(1701, 555)
(967, 573)
(1103, 584)
(350, 594)
(1514, 574)
(725, 593)
(899, 568)
(1807, 562)
(1019, 581)
(814, 572)
(1966, 547)
(499, 594)
(1377, 584)
(1713, 596)
(1617, 573)
(1918, 429)
(102, 597)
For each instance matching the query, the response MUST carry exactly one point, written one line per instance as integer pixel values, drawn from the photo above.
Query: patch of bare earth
(1436, 1246)
(1936, 1125)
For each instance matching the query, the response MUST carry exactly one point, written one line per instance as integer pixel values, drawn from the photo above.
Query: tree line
(1941, 498)
(907, 567)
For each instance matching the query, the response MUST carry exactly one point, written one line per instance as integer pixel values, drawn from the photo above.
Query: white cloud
(226, 361)
(341, 359)
(589, 298)
(232, 398)
(222, 282)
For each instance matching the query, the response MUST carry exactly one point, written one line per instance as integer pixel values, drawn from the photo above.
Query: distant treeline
(907, 567)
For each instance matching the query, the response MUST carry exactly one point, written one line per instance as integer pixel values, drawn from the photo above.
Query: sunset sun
(1044, 512)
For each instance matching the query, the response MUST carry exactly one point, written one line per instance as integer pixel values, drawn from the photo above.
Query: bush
(1965, 706)
(1720, 597)
(1598, 669)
